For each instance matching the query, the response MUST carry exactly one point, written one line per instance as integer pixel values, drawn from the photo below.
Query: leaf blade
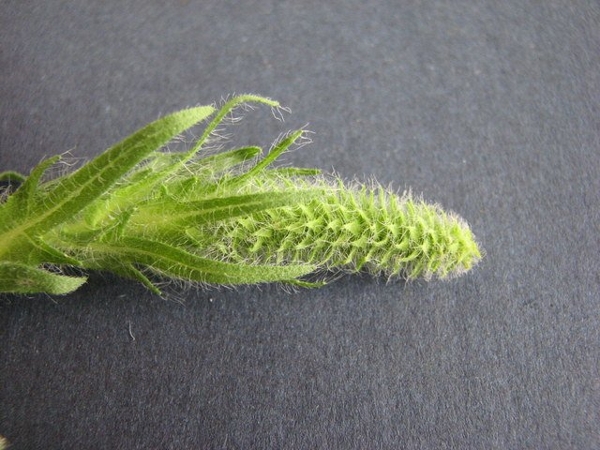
(19, 278)
(181, 264)
(96, 177)
(219, 208)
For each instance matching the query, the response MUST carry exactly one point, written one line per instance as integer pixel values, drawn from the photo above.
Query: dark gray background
(489, 108)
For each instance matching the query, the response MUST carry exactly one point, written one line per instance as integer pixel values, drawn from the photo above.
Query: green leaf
(277, 150)
(289, 172)
(96, 177)
(19, 204)
(129, 271)
(18, 278)
(204, 173)
(10, 175)
(226, 109)
(218, 163)
(41, 252)
(202, 211)
(177, 263)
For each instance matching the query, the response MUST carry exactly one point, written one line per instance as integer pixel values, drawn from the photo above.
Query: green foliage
(226, 218)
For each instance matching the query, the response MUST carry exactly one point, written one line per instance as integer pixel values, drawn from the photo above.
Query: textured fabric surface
(489, 108)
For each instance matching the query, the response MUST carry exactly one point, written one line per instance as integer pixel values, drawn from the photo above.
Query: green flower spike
(225, 218)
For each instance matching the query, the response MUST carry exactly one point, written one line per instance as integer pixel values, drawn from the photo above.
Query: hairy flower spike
(353, 229)
(226, 218)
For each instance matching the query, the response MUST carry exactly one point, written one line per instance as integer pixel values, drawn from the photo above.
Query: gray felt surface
(491, 109)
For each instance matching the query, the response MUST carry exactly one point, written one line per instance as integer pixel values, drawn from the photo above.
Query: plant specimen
(229, 217)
